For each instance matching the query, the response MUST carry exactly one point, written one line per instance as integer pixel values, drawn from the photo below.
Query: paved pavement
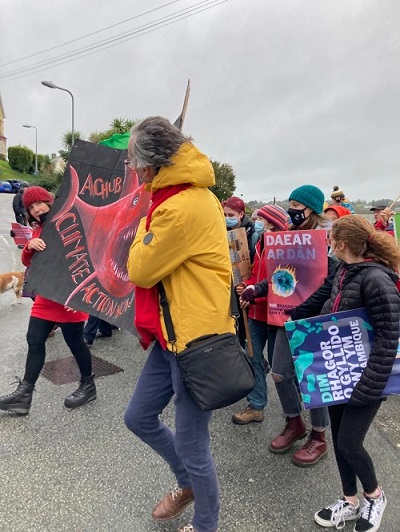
(82, 471)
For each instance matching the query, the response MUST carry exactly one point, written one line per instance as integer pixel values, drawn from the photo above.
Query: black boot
(84, 394)
(18, 402)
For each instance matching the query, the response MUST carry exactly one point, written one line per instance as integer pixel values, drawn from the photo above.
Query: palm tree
(96, 137)
(67, 139)
(118, 126)
(130, 123)
(67, 143)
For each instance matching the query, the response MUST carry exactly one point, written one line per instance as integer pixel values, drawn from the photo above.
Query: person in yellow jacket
(182, 242)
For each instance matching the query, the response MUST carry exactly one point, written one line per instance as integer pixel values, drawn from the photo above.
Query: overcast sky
(288, 92)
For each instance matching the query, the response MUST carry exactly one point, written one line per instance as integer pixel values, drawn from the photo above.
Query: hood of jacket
(189, 165)
(247, 224)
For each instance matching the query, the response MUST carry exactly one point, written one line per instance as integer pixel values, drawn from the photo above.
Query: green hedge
(20, 158)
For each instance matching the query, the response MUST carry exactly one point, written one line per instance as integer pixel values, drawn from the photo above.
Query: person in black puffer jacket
(367, 277)
(18, 208)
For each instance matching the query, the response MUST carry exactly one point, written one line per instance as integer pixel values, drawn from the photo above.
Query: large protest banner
(88, 233)
(296, 263)
(330, 353)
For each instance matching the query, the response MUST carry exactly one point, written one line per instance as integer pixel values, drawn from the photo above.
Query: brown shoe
(295, 429)
(248, 415)
(312, 451)
(172, 504)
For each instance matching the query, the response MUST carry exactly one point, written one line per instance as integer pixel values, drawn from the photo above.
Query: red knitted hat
(33, 194)
(234, 203)
(274, 215)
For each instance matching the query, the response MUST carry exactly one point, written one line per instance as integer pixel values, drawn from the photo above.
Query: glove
(249, 294)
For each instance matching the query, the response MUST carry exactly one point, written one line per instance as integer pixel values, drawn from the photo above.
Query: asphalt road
(83, 471)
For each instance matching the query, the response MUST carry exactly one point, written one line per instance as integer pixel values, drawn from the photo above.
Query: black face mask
(297, 216)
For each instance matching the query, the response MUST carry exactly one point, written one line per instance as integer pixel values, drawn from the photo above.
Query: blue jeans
(287, 388)
(187, 452)
(258, 397)
(95, 324)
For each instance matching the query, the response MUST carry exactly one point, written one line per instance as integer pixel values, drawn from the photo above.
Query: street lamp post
(52, 85)
(36, 159)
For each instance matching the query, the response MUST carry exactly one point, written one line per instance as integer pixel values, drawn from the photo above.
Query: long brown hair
(362, 239)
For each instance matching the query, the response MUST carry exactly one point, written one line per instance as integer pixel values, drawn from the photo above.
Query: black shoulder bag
(215, 369)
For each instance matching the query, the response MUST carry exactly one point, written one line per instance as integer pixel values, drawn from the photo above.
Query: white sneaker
(371, 514)
(337, 514)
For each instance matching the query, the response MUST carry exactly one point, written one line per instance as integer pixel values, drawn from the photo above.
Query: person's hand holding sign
(37, 244)
(248, 296)
(386, 214)
(240, 287)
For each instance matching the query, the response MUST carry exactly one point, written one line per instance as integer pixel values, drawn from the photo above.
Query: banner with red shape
(88, 233)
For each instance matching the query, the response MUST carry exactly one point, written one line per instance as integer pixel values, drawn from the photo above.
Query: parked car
(15, 184)
(5, 186)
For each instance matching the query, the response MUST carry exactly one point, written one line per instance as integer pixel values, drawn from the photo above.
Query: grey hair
(155, 141)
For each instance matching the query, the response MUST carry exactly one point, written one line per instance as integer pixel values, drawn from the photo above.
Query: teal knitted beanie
(310, 196)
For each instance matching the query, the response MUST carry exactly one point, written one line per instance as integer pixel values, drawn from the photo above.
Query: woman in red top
(269, 218)
(45, 314)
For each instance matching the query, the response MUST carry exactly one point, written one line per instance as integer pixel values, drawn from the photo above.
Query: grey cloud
(287, 92)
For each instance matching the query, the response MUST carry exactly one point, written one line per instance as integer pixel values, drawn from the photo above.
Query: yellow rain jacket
(186, 248)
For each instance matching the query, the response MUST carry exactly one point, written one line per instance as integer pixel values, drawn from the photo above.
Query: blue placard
(330, 353)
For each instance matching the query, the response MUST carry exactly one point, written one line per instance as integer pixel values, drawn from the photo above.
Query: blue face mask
(231, 222)
(259, 226)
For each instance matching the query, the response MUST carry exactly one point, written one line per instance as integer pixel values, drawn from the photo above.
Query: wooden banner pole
(394, 202)
(185, 104)
(248, 337)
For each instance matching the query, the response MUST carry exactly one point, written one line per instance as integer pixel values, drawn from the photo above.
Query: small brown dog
(12, 280)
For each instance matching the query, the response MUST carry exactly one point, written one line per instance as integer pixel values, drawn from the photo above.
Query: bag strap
(235, 312)
(167, 313)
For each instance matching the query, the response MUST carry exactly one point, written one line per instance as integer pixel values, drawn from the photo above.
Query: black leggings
(38, 332)
(349, 426)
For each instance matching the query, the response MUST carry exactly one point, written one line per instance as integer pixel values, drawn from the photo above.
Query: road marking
(13, 259)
